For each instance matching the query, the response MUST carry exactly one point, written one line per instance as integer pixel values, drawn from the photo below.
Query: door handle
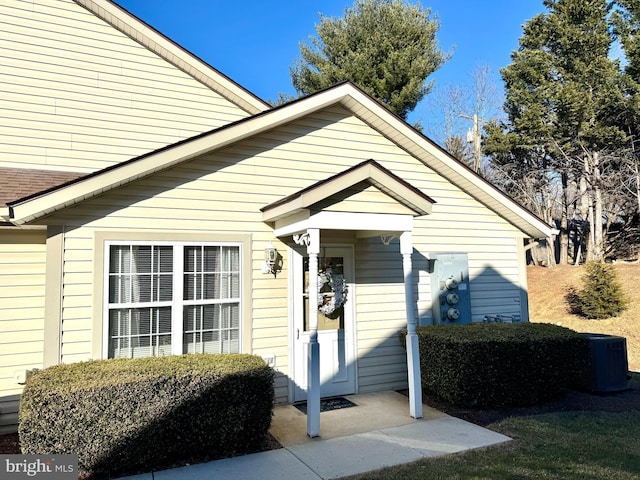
(297, 334)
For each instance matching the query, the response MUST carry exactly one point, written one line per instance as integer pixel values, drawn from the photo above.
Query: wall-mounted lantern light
(272, 260)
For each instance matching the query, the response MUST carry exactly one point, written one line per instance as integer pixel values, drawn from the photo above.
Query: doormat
(328, 404)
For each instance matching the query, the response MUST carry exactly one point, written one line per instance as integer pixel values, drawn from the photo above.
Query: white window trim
(178, 302)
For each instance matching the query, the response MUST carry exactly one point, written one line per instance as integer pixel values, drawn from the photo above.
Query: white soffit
(416, 144)
(346, 94)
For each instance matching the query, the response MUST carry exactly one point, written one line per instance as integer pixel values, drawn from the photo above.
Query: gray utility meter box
(450, 295)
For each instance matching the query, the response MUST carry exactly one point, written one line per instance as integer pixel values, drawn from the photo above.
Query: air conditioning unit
(609, 368)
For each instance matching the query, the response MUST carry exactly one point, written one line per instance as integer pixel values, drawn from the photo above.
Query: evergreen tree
(386, 47)
(563, 95)
(626, 22)
(601, 296)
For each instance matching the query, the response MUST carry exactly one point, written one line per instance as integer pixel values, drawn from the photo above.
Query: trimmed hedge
(500, 364)
(125, 415)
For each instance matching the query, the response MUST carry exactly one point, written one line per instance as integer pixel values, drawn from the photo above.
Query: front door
(335, 329)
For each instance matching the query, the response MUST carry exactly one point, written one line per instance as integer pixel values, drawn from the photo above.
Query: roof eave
(368, 171)
(347, 95)
(37, 206)
(417, 144)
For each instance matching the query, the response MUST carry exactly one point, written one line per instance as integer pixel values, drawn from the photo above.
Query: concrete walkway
(377, 433)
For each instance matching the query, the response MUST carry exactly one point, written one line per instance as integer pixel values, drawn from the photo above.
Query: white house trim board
(36, 206)
(413, 351)
(344, 94)
(398, 131)
(345, 221)
(290, 218)
(369, 172)
(338, 346)
(156, 42)
(310, 238)
(313, 361)
(92, 185)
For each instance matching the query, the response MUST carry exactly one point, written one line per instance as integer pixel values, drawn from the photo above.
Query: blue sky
(255, 42)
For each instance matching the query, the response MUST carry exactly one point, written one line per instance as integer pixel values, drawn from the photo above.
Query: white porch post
(313, 358)
(413, 353)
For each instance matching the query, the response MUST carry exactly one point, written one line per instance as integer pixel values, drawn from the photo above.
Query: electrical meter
(453, 314)
(451, 299)
(451, 283)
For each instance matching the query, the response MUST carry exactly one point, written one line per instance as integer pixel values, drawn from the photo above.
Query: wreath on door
(332, 292)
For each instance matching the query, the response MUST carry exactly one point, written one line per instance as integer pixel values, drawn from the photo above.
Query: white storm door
(335, 331)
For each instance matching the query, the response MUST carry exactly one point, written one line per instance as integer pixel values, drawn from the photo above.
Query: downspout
(52, 354)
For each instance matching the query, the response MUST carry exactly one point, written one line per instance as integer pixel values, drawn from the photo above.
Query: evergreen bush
(138, 415)
(602, 295)
(500, 364)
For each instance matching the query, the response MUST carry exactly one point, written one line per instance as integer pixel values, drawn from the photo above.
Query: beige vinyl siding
(78, 95)
(381, 314)
(222, 193)
(22, 274)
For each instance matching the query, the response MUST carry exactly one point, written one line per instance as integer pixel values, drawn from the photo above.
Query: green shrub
(601, 296)
(500, 364)
(128, 415)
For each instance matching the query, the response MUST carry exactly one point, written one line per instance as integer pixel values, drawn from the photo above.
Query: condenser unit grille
(608, 363)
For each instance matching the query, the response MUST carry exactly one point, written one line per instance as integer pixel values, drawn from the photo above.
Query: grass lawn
(562, 446)
(571, 445)
(574, 441)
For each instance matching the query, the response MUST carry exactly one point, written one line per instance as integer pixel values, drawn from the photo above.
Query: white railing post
(313, 358)
(413, 352)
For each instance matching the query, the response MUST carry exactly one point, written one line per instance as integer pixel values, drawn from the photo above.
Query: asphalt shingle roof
(16, 183)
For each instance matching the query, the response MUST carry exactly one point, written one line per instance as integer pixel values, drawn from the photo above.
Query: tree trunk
(551, 252)
(598, 233)
(549, 257)
(591, 243)
(637, 184)
(586, 215)
(587, 204)
(564, 224)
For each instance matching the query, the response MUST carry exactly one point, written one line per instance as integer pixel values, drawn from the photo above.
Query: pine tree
(386, 47)
(563, 96)
(602, 295)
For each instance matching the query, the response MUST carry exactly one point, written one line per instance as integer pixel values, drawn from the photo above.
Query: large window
(173, 298)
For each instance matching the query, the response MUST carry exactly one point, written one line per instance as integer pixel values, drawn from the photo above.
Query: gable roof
(345, 94)
(370, 172)
(173, 53)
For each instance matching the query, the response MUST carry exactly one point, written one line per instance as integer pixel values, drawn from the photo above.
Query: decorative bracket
(387, 238)
(302, 239)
